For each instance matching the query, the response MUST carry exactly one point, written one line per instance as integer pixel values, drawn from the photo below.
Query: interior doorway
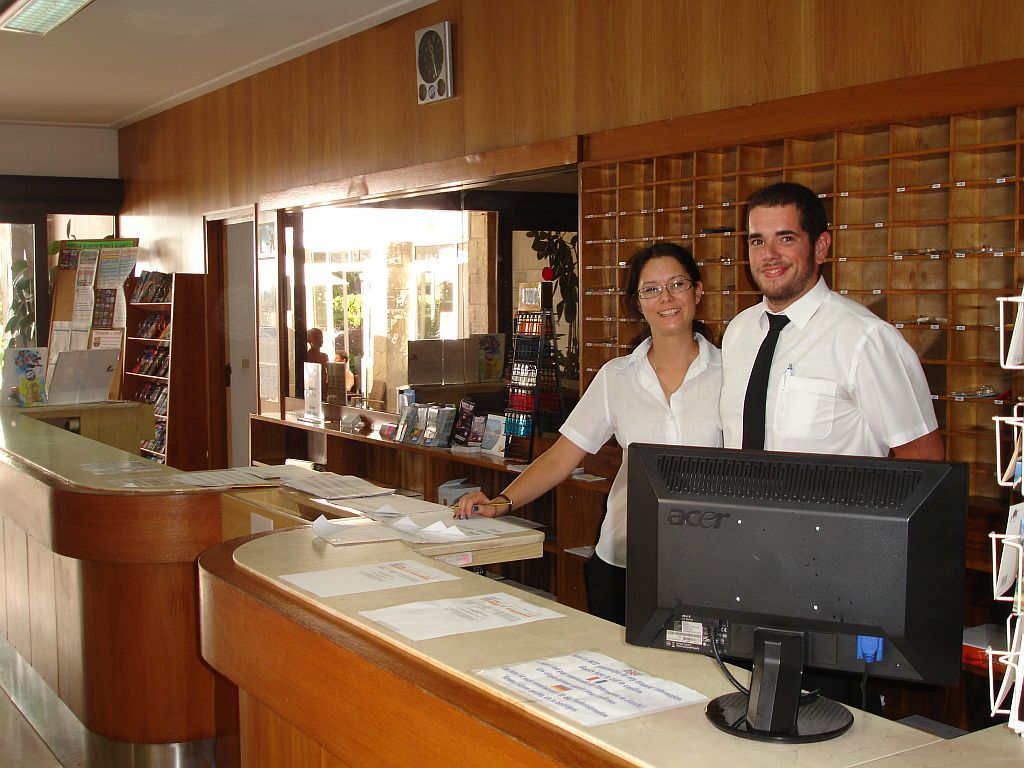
(240, 337)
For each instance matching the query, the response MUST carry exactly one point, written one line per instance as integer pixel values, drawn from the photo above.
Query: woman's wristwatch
(503, 501)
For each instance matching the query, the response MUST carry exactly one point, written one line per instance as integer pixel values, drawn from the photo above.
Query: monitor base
(819, 719)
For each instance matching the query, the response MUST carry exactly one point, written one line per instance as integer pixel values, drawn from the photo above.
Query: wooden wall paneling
(358, 127)
(487, 84)
(70, 667)
(328, 107)
(544, 57)
(43, 612)
(577, 67)
(241, 187)
(411, 133)
(922, 97)
(281, 125)
(882, 41)
(270, 741)
(211, 186)
(19, 617)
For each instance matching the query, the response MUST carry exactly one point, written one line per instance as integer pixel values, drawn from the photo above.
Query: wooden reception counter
(98, 592)
(320, 685)
(98, 589)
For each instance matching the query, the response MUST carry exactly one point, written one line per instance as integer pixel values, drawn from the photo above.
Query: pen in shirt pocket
(789, 369)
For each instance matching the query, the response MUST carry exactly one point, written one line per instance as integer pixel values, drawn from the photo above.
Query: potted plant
(562, 256)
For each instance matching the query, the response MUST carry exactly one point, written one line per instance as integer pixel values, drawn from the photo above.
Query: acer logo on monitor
(696, 518)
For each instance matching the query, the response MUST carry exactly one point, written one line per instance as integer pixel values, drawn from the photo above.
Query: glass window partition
(268, 319)
(376, 278)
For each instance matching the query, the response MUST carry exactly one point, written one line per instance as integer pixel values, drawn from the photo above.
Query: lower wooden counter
(118, 423)
(99, 584)
(312, 684)
(571, 513)
(250, 511)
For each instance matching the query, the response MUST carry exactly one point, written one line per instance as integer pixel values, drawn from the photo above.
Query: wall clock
(434, 63)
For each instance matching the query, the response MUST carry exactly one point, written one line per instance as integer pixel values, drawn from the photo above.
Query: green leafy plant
(21, 325)
(563, 260)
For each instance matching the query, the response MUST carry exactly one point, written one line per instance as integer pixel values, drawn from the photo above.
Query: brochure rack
(1005, 670)
(165, 355)
(535, 388)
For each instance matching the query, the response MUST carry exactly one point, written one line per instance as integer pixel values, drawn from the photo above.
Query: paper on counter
(591, 688)
(437, 532)
(279, 471)
(440, 618)
(352, 530)
(367, 578)
(328, 485)
(220, 478)
(390, 507)
(121, 467)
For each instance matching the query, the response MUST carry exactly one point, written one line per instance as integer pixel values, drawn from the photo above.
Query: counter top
(444, 667)
(57, 456)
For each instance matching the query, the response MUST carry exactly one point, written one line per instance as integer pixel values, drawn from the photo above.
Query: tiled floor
(20, 745)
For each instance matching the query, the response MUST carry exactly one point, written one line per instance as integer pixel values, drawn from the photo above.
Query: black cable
(864, 687)
(721, 664)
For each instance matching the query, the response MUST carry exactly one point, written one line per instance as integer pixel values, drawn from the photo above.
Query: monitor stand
(774, 711)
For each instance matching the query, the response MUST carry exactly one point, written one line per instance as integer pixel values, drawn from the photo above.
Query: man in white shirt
(842, 381)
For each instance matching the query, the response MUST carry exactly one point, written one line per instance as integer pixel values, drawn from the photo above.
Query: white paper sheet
(80, 338)
(591, 688)
(328, 485)
(1008, 561)
(440, 618)
(120, 467)
(81, 311)
(417, 532)
(279, 471)
(219, 478)
(86, 273)
(389, 507)
(367, 578)
(353, 530)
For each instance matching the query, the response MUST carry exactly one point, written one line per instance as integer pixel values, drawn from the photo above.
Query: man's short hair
(813, 218)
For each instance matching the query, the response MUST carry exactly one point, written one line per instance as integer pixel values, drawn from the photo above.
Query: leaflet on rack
(327, 485)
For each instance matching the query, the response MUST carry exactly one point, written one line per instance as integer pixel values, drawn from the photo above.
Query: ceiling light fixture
(37, 17)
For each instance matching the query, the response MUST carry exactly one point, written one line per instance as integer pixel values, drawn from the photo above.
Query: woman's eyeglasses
(679, 285)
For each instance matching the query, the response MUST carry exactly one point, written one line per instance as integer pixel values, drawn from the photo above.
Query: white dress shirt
(842, 381)
(626, 401)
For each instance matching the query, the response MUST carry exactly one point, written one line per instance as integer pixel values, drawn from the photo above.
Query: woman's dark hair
(636, 266)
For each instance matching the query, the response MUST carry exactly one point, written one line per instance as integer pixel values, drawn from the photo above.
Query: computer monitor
(796, 560)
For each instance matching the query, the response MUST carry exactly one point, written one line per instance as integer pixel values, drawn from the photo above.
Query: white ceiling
(119, 61)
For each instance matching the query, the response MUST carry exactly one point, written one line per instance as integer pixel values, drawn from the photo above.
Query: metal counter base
(75, 745)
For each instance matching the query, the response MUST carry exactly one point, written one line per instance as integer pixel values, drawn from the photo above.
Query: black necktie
(757, 386)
